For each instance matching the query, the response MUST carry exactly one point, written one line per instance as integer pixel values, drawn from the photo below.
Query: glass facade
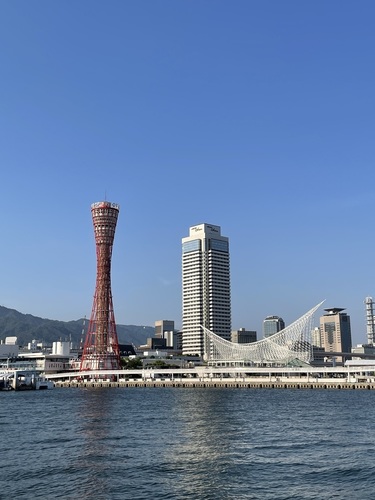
(218, 245)
(191, 246)
(272, 325)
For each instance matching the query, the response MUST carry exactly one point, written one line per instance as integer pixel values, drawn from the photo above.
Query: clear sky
(257, 116)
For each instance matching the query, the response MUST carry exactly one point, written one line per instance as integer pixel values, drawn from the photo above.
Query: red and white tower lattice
(101, 349)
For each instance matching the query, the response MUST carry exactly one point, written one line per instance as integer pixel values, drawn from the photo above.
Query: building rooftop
(334, 310)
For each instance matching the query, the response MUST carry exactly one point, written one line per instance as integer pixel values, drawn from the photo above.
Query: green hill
(27, 328)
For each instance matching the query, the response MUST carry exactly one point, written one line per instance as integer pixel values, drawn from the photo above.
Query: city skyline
(255, 117)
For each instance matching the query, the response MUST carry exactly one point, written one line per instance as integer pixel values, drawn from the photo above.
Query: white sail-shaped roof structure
(292, 344)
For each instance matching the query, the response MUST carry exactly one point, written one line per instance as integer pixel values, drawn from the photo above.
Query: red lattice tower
(101, 350)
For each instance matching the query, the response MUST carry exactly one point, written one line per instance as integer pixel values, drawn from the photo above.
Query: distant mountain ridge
(27, 327)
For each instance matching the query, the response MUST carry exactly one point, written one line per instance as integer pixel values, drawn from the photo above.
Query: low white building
(9, 349)
(47, 363)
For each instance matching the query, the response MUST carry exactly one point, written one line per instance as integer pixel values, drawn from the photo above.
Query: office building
(364, 350)
(162, 327)
(315, 337)
(243, 336)
(272, 325)
(178, 338)
(155, 343)
(335, 332)
(205, 287)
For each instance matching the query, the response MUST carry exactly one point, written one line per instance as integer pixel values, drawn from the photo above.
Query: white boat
(42, 383)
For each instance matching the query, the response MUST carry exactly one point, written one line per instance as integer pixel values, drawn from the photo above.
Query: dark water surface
(175, 443)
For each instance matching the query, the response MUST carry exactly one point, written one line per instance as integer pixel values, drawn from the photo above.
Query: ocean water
(179, 443)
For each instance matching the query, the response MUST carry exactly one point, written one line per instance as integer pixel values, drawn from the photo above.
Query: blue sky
(257, 116)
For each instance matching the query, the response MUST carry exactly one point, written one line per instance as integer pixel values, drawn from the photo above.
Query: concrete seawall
(222, 384)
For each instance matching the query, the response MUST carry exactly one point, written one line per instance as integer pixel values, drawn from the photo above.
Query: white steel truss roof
(291, 343)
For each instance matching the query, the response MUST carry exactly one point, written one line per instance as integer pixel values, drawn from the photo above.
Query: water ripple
(218, 444)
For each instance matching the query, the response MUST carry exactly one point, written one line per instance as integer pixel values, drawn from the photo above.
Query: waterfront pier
(230, 384)
(352, 377)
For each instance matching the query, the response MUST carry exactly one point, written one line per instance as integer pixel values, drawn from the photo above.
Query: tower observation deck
(101, 350)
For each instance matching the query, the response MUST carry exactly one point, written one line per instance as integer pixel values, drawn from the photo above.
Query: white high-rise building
(370, 320)
(316, 339)
(205, 287)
